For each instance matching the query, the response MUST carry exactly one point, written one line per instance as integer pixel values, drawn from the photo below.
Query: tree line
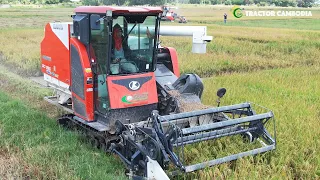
(282, 3)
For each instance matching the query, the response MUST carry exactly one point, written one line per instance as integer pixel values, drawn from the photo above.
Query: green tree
(283, 3)
(194, 1)
(90, 2)
(305, 3)
(143, 2)
(246, 2)
(138, 2)
(237, 2)
(52, 1)
(214, 2)
(228, 2)
(111, 2)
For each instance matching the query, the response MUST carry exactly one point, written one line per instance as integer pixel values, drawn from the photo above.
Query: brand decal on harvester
(57, 26)
(134, 98)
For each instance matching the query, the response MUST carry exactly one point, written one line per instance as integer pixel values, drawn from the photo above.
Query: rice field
(273, 62)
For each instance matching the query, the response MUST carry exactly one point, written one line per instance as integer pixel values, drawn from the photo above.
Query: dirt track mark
(16, 69)
(10, 166)
(26, 91)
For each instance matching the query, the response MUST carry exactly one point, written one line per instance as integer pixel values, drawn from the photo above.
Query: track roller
(94, 141)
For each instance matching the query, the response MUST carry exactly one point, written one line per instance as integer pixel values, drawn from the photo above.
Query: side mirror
(81, 28)
(221, 92)
(95, 22)
(94, 67)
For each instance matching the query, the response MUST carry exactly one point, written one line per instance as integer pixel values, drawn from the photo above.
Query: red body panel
(55, 55)
(115, 9)
(170, 18)
(122, 97)
(174, 60)
(88, 89)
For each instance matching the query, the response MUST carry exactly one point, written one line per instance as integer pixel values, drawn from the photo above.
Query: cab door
(99, 55)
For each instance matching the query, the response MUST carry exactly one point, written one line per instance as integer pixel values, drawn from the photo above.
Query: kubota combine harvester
(169, 15)
(125, 91)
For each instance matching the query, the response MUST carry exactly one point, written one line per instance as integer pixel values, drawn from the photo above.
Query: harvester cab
(122, 50)
(126, 92)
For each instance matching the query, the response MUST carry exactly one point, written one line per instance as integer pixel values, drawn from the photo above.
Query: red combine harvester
(126, 92)
(169, 15)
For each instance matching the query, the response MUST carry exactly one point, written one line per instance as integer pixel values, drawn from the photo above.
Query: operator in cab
(120, 51)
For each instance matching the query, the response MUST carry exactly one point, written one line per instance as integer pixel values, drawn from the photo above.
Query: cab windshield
(120, 45)
(132, 47)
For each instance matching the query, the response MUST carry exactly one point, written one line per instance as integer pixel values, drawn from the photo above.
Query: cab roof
(118, 9)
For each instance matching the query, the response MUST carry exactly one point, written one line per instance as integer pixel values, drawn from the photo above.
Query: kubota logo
(134, 85)
(237, 12)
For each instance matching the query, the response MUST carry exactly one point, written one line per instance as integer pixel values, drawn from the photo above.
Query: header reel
(164, 141)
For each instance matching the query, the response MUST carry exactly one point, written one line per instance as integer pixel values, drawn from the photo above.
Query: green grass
(51, 152)
(295, 105)
(211, 14)
(299, 24)
(15, 18)
(294, 96)
(44, 150)
(20, 50)
(244, 49)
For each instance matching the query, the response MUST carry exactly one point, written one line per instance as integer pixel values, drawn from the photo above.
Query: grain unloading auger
(125, 91)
